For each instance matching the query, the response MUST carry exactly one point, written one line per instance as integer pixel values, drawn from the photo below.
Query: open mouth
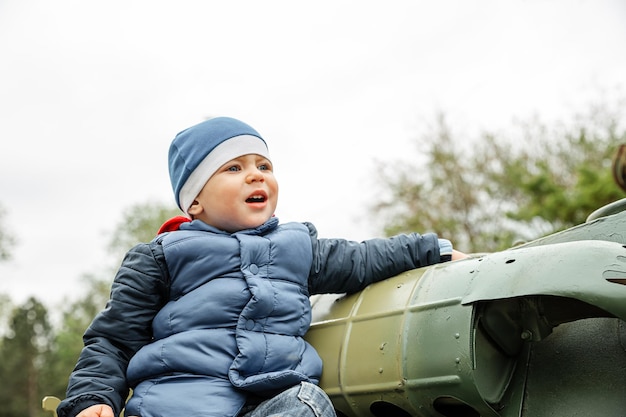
(256, 198)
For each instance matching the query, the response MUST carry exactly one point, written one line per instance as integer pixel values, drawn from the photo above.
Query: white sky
(91, 94)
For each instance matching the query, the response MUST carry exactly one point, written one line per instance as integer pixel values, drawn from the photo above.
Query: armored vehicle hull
(536, 330)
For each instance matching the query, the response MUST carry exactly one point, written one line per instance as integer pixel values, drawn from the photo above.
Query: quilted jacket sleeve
(138, 292)
(346, 266)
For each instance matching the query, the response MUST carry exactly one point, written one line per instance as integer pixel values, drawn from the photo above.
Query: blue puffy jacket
(199, 319)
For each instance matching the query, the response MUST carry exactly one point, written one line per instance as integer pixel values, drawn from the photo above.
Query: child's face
(242, 194)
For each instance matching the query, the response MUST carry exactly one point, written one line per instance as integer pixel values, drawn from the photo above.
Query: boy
(208, 318)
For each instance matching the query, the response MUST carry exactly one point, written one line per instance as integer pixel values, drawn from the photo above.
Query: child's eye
(264, 167)
(233, 168)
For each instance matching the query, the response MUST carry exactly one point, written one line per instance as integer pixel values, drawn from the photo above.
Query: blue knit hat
(197, 152)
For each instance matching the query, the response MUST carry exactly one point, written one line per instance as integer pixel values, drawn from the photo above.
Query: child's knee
(316, 399)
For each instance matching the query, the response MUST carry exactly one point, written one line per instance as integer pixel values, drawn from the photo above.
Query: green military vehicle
(537, 330)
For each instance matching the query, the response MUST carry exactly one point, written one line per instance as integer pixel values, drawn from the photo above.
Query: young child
(208, 318)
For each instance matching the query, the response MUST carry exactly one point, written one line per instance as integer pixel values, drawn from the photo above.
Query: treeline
(489, 190)
(33, 360)
(38, 350)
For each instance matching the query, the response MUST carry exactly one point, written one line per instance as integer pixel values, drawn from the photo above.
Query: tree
(486, 193)
(6, 307)
(139, 223)
(6, 239)
(68, 340)
(437, 195)
(23, 355)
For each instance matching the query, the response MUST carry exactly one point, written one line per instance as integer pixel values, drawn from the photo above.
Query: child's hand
(99, 410)
(458, 255)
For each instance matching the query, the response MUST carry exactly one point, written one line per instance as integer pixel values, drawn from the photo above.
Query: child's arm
(341, 265)
(98, 381)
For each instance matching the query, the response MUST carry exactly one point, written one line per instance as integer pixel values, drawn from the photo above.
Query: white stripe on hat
(224, 152)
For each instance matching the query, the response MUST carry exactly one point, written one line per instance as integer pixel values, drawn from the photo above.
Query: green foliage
(24, 355)
(7, 240)
(140, 223)
(489, 192)
(37, 359)
(68, 340)
(6, 308)
(557, 177)
(443, 194)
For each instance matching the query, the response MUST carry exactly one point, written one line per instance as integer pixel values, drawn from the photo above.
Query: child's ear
(195, 209)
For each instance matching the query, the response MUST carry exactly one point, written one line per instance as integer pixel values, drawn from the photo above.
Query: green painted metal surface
(537, 330)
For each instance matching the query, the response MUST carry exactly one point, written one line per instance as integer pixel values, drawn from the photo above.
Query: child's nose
(255, 175)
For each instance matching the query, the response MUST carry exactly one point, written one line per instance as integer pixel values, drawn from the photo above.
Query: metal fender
(592, 271)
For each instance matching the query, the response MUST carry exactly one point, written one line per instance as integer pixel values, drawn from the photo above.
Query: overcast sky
(91, 94)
